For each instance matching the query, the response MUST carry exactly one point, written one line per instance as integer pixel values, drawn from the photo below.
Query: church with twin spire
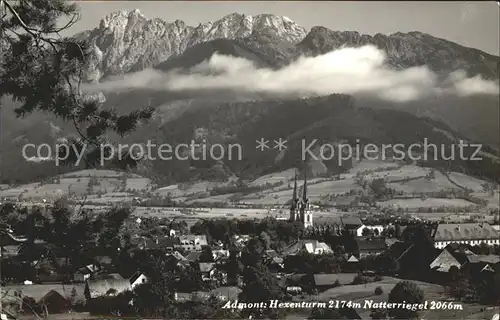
(300, 209)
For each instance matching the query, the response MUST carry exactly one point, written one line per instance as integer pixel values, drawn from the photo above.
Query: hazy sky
(473, 24)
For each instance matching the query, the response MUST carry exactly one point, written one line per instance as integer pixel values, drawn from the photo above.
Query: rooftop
(309, 245)
(371, 244)
(98, 288)
(206, 266)
(465, 231)
(444, 261)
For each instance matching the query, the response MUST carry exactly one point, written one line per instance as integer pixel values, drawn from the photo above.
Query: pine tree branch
(62, 62)
(37, 35)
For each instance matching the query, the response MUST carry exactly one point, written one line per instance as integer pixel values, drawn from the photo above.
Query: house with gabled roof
(309, 246)
(241, 240)
(464, 259)
(105, 286)
(193, 256)
(220, 254)
(351, 222)
(54, 303)
(445, 261)
(50, 270)
(192, 242)
(273, 261)
(370, 246)
(84, 273)
(210, 272)
(137, 279)
(352, 259)
(177, 255)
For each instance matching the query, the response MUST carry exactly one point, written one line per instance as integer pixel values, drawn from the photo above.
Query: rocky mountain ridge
(127, 41)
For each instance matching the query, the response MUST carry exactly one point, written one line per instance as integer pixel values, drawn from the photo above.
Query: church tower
(294, 207)
(306, 216)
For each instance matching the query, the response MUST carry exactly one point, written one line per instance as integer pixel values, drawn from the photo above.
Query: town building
(84, 273)
(473, 234)
(370, 246)
(193, 242)
(464, 260)
(376, 230)
(137, 279)
(53, 302)
(309, 246)
(108, 285)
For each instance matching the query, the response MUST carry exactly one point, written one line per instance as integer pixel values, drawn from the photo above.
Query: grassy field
(367, 291)
(422, 185)
(183, 190)
(416, 203)
(97, 173)
(367, 165)
(198, 213)
(284, 176)
(493, 199)
(409, 179)
(77, 183)
(466, 181)
(65, 316)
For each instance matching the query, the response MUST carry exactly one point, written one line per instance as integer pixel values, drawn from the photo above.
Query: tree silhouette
(408, 292)
(44, 72)
(206, 254)
(324, 313)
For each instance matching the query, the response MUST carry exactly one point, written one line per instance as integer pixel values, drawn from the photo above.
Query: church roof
(329, 219)
(336, 219)
(351, 220)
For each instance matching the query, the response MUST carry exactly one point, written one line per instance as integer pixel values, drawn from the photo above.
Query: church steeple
(294, 199)
(304, 190)
(305, 212)
(299, 209)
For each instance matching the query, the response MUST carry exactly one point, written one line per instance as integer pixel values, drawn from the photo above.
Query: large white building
(472, 234)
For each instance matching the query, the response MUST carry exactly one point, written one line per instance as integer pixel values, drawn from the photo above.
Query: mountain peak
(127, 41)
(236, 25)
(120, 18)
